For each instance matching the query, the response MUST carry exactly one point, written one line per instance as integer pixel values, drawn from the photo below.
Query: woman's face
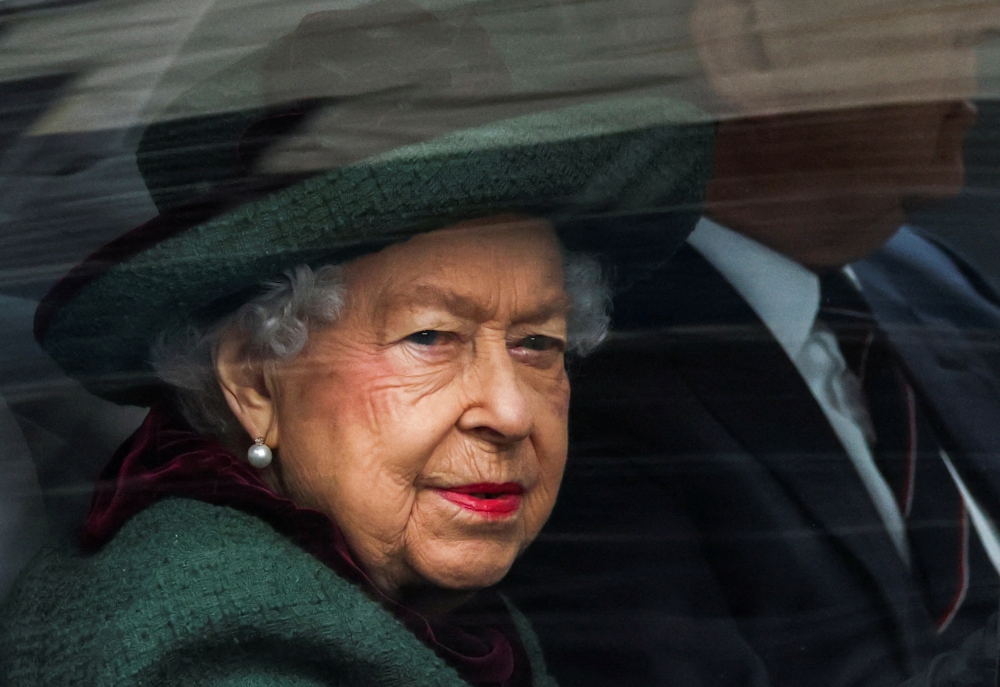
(429, 421)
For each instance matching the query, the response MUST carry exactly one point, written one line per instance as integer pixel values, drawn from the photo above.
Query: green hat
(622, 177)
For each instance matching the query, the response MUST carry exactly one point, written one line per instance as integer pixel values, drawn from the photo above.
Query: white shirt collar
(783, 293)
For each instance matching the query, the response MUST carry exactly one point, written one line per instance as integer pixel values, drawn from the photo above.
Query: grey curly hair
(276, 326)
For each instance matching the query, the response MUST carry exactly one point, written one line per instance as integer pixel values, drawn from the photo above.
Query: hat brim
(596, 167)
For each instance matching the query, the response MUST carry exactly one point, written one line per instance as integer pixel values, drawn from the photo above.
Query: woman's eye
(428, 337)
(540, 343)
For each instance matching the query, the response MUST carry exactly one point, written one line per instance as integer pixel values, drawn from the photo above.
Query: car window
(778, 231)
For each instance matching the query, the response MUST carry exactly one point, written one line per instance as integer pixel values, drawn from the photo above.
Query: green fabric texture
(608, 159)
(177, 173)
(189, 593)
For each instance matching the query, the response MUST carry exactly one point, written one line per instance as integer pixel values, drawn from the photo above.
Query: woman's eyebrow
(427, 295)
(557, 307)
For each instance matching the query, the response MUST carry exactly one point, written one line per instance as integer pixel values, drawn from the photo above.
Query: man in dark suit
(757, 493)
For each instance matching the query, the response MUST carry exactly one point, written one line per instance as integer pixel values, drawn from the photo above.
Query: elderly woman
(359, 405)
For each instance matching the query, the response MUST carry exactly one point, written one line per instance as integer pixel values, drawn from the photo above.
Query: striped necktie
(905, 450)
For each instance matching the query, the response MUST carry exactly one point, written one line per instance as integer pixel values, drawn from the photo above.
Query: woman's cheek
(554, 395)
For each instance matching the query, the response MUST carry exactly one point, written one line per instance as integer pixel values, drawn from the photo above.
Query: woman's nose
(497, 408)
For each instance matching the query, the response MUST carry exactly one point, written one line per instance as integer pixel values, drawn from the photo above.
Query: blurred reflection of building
(56, 439)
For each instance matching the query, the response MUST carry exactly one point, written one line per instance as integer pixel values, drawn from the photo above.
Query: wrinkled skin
(444, 369)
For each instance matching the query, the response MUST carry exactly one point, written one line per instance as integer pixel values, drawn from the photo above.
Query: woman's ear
(248, 387)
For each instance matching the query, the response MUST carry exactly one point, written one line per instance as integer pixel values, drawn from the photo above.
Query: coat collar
(946, 368)
(784, 294)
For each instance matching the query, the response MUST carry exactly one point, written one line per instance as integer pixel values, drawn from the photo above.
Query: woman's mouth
(496, 500)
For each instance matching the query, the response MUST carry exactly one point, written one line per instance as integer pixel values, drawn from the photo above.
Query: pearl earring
(259, 454)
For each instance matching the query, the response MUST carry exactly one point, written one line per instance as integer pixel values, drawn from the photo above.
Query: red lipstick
(496, 500)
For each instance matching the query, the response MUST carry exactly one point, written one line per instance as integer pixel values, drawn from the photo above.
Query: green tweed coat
(193, 594)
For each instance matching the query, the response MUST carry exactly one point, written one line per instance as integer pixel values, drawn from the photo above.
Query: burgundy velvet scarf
(166, 457)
